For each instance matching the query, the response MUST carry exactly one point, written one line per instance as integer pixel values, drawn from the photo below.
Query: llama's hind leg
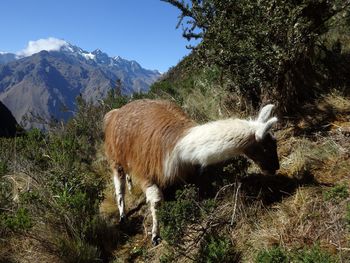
(154, 196)
(119, 184)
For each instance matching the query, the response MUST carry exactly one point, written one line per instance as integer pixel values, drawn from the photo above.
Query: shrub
(266, 49)
(313, 254)
(20, 220)
(166, 258)
(3, 168)
(176, 215)
(273, 255)
(59, 189)
(347, 214)
(337, 193)
(217, 249)
(78, 251)
(6, 198)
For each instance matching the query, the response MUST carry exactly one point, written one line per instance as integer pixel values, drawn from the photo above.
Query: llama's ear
(264, 129)
(265, 113)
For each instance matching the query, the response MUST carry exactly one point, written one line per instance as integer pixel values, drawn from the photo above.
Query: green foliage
(337, 193)
(176, 215)
(307, 255)
(313, 255)
(20, 220)
(59, 188)
(266, 49)
(5, 194)
(164, 86)
(273, 255)
(217, 249)
(77, 251)
(5, 185)
(166, 258)
(31, 146)
(3, 168)
(237, 167)
(115, 100)
(347, 214)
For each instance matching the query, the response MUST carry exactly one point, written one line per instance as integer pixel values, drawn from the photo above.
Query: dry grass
(335, 101)
(206, 102)
(302, 220)
(28, 249)
(305, 218)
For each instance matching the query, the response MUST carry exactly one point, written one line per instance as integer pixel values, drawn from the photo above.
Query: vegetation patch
(337, 193)
(306, 255)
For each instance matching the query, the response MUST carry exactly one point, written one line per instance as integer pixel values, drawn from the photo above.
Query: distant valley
(46, 83)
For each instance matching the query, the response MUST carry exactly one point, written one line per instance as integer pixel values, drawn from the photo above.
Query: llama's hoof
(156, 240)
(122, 220)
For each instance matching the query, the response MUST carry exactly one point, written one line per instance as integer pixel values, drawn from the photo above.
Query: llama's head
(263, 151)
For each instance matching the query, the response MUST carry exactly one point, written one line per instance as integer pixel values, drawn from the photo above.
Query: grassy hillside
(57, 201)
(56, 196)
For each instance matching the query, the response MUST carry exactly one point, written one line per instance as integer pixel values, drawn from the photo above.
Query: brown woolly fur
(140, 134)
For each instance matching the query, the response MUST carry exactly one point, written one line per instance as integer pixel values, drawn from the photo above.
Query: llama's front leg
(154, 196)
(119, 184)
(129, 182)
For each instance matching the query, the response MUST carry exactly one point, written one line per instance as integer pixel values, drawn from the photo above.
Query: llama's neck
(214, 142)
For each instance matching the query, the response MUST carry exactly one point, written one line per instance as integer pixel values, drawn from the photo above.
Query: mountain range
(46, 84)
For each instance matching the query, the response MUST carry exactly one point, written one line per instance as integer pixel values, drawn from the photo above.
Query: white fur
(265, 113)
(210, 143)
(129, 182)
(154, 196)
(119, 185)
(217, 141)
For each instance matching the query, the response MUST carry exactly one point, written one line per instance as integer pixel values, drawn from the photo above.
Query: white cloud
(48, 44)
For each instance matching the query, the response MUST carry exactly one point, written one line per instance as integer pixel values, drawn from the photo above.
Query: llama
(157, 144)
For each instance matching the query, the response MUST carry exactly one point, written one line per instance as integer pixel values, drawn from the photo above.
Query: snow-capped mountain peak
(43, 83)
(48, 44)
(52, 44)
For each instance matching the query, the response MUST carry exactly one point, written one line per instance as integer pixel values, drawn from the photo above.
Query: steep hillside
(8, 125)
(6, 57)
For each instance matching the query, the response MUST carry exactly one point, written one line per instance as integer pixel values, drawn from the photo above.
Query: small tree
(267, 49)
(114, 98)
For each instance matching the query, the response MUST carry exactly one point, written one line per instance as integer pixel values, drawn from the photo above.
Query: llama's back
(140, 134)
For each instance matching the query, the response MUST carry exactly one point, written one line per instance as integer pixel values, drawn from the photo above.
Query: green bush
(273, 255)
(78, 251)
(347, 214)
(166, 258)
(267, 50)
(337, 193)
(176, 215)
(6, 198)
(20, 220)
(3, 168)
(313, 254)
(217, 249)
(60, 190)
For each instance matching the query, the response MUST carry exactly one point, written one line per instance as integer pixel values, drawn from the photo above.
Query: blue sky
(141, 30)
